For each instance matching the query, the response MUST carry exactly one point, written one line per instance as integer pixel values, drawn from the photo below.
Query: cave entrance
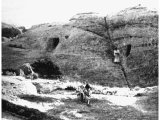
(52, 43)
(46, 69)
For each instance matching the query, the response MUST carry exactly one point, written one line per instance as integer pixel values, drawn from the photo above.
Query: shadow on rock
(34, 98)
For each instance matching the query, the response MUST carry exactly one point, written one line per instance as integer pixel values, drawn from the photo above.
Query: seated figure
(84, 93)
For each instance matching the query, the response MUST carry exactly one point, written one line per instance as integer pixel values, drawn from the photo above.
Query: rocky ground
(56, 99)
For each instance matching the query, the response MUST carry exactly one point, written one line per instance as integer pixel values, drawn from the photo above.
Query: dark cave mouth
(52, 44)
(46, 69)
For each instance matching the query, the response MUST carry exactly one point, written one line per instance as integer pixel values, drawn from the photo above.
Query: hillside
(81, 48)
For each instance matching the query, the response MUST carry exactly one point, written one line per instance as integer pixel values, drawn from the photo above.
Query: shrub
(9, 72)
(10, 32)
(70, 88)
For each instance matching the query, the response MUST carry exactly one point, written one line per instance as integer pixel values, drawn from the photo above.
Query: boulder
(26, 71)
(14, 86)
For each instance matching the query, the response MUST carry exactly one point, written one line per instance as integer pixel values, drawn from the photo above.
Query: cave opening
(52, 43)
(46, 69)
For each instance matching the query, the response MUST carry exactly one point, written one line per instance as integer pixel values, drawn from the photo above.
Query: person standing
(116, 56)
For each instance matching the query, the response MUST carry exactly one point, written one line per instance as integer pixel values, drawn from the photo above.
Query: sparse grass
(101, 110)
(147, 103)
(12, 58)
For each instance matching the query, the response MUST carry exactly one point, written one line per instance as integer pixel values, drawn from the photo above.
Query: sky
(31, 12)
